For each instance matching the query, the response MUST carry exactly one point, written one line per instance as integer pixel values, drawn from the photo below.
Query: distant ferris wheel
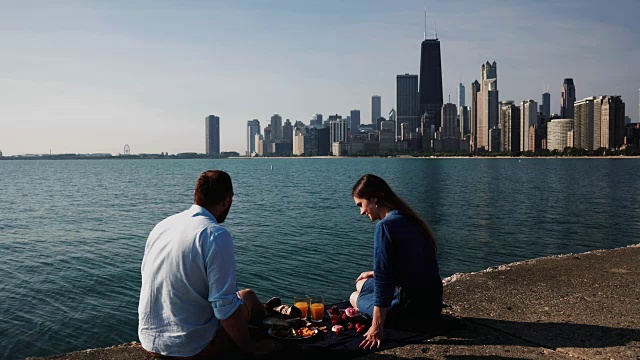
(127, 149)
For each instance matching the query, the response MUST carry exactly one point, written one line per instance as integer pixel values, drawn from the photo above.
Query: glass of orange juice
(317, 308)
(302, 303)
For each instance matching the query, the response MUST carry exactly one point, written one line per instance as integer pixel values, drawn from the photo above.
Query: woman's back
(413, 257)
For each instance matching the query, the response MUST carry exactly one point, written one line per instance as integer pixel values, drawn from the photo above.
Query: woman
(404, 290)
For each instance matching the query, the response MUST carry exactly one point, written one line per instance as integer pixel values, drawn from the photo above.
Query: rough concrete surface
(584, 306)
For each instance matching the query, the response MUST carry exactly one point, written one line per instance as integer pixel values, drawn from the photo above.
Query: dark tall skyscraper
(546, 104)
(376, 108)
(354, 122)
(406, 102)
(475, 90)
(568, 99)
(431, 80)
(212, 130)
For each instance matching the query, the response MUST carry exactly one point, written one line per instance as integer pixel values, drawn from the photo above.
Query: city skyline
(109, 79)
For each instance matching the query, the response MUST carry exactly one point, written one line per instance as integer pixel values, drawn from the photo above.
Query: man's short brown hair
(212, 187)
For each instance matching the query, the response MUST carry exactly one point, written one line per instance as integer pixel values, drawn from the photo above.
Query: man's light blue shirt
(188, 283)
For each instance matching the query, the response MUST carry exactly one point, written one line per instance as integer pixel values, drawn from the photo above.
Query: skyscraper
(612, 122)
(475, 90)
(510, 124)
(298, 140)
(568, 99)
(583, 129)
(461, 95)
(430, 89)
(212, 137)
(546, 105)
(463, 115)
(528, 117)
(316, 120)
(558, 134)
(488, 106)
(407, 102)
(276, 128)
(355, 122)
(376, 108)
(338, 127)
(253, 128)
(449, 116)
(287, 132)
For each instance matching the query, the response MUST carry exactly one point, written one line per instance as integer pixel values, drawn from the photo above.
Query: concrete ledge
(584, 306)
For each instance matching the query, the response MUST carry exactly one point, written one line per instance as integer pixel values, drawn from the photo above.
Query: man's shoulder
(189, 222)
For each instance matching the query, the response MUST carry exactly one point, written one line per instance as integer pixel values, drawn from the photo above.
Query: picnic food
(305, 332)
(352, 312)
(334, 310)
(285, 332)
(338, 329)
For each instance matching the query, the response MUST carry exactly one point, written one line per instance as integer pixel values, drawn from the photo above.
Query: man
(189, 304)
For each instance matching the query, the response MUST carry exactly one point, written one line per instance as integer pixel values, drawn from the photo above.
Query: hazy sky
(85, 76)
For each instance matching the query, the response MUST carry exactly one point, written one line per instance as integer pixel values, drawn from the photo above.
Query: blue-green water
(72, 233)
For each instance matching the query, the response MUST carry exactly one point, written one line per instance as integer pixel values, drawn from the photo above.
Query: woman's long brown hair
(372, 186)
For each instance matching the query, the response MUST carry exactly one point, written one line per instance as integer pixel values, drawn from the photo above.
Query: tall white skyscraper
(461, 95)
(488, 106)
(376, 108)
(253, 128)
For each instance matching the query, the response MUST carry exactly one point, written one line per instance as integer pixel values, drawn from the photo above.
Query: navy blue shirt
(402, 256)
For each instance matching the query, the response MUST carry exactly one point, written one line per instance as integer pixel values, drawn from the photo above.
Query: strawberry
(351, 325)
(361, 329)
(345, 318)
(334, 310)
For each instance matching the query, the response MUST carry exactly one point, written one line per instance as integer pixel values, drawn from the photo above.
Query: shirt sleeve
(221, 274)
(384, 285)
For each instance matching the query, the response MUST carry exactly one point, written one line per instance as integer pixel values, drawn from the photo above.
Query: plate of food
(289, 333)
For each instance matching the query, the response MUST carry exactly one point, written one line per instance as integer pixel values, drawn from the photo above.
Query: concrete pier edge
(570, 306)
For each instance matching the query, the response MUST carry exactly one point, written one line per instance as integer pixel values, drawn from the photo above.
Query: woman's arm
(365, 275)
(374, 334)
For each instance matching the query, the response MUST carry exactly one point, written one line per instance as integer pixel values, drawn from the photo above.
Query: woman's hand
(365, 275)
(372, 338)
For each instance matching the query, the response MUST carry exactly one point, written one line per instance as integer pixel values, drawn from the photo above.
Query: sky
(92, 76)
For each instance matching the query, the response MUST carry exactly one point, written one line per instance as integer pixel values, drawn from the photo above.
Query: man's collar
(199, 209)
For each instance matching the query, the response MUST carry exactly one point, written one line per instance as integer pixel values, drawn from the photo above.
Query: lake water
(72, 233)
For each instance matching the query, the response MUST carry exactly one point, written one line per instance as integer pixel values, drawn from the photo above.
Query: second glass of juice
(317, 308)
(302, 303)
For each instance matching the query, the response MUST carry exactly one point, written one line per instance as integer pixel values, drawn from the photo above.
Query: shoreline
(134, 158)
